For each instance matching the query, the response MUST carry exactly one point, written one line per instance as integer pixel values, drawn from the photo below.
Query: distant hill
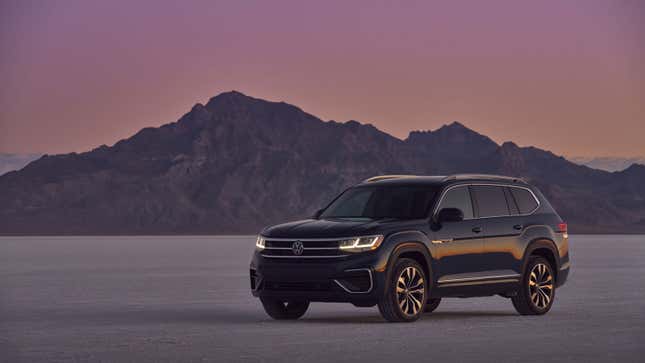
(608, 163)
(11, 162)
(239, 163)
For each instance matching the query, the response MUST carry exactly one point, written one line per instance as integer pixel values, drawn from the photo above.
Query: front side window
(491, 201)
(375, 202)
(459, 198)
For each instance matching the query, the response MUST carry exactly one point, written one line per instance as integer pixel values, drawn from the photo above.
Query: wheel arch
(409, 244)
(542, 247)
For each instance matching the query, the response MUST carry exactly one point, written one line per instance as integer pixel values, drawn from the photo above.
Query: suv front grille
(286, 248)
(307, 244)
(305, 253)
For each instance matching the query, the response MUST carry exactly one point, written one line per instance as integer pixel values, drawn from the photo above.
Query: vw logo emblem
(297, 248)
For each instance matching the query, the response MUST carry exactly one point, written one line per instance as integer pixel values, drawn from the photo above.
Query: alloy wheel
(410, 291)
(541, 286)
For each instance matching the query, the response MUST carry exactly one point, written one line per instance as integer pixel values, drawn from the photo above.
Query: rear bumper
(354, 279)
(563, 274)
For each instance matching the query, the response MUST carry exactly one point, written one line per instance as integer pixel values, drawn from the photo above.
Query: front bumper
(357, 279)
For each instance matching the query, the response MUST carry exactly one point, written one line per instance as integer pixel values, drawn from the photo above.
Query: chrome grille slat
(311, 248)
(330, 256)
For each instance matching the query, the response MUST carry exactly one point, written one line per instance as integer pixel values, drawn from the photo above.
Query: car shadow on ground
(219, 315)
(377, 319)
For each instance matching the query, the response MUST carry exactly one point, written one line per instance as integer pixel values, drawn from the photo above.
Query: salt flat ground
(160, 299)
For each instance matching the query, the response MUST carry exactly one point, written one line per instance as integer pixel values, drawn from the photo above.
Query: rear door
(501, 227)
(457, 245)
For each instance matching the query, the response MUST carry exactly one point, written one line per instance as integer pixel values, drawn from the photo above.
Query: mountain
(11, 162)
(239, 163)
(608, 163)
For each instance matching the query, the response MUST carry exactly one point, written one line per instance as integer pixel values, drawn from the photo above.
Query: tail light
(562, 228)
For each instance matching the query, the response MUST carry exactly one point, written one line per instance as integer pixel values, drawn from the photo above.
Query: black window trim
(443, 193)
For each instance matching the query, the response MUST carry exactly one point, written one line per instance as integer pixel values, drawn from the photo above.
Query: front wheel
(284, 310)
(537, 289)
(405, 295)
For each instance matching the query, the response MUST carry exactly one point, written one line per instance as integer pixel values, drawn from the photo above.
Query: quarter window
(511, 202)
(459, 198)
(490, 201)
(525, 201)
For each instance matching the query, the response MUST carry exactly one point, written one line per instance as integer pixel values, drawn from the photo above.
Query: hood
(328, 228)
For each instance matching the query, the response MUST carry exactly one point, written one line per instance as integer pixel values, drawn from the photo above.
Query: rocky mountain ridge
(239, 163)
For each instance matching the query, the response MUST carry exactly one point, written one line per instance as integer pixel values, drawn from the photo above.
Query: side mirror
(450, 215)
(317, 214)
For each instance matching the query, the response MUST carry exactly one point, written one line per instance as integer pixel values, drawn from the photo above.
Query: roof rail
(485, 177)
(384, 177)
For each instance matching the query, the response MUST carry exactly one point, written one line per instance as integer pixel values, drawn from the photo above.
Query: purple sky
(568, 76)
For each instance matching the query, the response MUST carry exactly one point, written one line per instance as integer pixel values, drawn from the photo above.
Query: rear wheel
(405, 295)
(432, 305)
(537, 288)
(280, 310)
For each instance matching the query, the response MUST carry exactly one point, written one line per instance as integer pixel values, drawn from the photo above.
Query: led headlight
(260, 243)
(360, 244)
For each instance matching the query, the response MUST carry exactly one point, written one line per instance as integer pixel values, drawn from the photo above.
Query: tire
(432, 305)
(531, 300)
(279, 310)
(405, 293)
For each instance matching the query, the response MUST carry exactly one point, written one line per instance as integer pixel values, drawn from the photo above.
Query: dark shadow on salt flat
(215, 315)
(377, 319)
(456, 315)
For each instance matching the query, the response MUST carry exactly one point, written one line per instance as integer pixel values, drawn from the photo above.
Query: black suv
(405, 242)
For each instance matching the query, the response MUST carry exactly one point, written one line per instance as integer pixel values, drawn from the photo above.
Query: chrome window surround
(435, 210)
(358, 292)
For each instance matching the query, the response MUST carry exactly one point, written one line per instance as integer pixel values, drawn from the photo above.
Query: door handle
(477, 229)
(518, 227)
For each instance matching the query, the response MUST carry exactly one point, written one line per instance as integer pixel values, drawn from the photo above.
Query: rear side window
(512, 206)
(491, 201)
(459, 198)
(524, 199)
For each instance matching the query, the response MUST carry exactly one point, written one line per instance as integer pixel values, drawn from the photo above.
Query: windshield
(375, 202)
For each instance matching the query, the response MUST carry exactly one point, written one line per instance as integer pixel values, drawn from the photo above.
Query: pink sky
(567, 76)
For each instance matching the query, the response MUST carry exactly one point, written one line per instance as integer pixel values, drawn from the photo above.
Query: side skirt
(478, 284)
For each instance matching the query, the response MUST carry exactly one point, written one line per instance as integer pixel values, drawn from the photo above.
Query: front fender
(398, 243)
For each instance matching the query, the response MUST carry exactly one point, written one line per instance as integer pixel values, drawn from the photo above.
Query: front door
(457, 246)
